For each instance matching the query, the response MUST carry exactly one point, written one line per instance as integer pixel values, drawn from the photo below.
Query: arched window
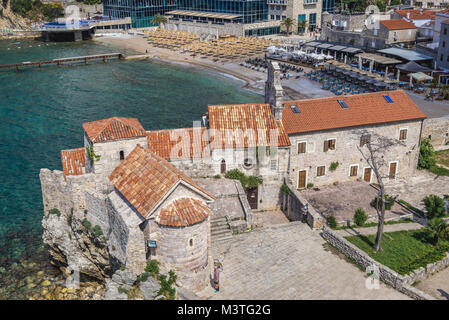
(122, 155)
(223, 167)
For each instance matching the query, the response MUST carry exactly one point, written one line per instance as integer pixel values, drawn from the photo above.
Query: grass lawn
(403, 251)
(442, 157)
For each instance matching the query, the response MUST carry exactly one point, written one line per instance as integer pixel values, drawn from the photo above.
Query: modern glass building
(329, 6)
(250, 11)
(140, 11)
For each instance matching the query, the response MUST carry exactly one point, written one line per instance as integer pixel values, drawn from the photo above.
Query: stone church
(146, 189)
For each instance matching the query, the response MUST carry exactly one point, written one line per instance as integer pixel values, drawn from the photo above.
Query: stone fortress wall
(438, 131)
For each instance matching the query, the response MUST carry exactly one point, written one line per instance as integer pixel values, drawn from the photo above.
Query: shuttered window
(353, 170)
(364, 139)
(403, 134)
(302, 147)
(320, 171)
(329, 145)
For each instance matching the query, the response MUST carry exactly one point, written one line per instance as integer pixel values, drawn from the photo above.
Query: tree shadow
(367, 240)
(443, 293)
(423, 237)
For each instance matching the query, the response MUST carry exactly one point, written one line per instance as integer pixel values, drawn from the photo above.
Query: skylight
(294, 108)
(343, 104)
(389, 100)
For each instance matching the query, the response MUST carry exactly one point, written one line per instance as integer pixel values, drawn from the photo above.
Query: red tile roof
(73, 161)
(364, 109)
(145, 179)
(183, 212)
(397, 24)
(417, 14)
(115, 128)
(185, 143)
(250, 124)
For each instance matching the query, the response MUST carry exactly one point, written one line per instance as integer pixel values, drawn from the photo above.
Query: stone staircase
(220, 230)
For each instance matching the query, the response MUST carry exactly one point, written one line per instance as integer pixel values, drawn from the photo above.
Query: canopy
(412, 66)
(419, 76)
(406, 54)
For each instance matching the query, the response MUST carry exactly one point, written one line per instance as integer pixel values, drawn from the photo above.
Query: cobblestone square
(288, 261)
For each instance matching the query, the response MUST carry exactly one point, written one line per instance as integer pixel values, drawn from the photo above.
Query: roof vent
(294, 108)
(389, 100)
(343, 104)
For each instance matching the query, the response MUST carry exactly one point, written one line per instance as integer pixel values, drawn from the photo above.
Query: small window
(248, 163)
(444, 44)
(329, 145)
(191, 242)
(353, 170)
(122, 155)
(430, 136)
(403, 134)
(294, 108)
(364, 139)
(302, 147)
(445, 31)
(320, 171)
(441, 57)
(343, 104)
(388, 98)
(273, 164)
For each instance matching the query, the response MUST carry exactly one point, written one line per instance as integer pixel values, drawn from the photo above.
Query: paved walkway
(289, 261)
(418, 187)
(436, 285)
(269, 218)
(387, 228)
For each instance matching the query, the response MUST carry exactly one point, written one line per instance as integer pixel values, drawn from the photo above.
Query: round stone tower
(183, 236)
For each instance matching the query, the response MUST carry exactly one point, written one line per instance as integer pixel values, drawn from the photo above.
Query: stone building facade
(437, 130)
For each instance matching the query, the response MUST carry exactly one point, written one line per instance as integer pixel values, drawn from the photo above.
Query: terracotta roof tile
(397, 24)
(188, 143)
(115, 128)
(183, 212)
(417, 14)
(73, 161)
(364, 109)
(144, 179)
(251, 124)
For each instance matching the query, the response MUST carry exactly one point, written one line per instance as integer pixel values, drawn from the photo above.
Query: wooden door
(251, 194)
(302, 179)
(223, 167)
(367, 175)
(392, 174)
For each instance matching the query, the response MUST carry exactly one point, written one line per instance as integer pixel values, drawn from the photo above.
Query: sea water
(42, 111)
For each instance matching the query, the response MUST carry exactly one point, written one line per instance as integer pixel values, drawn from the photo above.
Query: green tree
(434, 206)
(437, 230)
(395, 2)
(360, 217)
(331, 221)
(158, 19)
(381, 5)
(302, 24)
(426, 157)
(288, 23)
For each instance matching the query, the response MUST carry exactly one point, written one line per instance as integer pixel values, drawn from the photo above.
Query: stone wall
(109, 153)
(438, 131)
(347, 153)
(185, 250)
(297, 208)
(397, 281)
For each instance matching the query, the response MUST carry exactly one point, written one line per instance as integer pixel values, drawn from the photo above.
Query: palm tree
(302, 24)
(288, 23)
(158, 19)
(437, 229)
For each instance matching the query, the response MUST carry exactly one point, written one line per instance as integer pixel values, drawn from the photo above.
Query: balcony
(281, 2)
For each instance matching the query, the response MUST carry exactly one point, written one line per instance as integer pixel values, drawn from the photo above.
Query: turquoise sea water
(41, 113)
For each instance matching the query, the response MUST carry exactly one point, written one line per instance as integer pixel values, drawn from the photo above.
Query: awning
(337, 48)
(419, 76)
(378, 58)
(203, 14)
(406, 54)
(312, 44)
(352, 50)
(324, 45)
(412, 66)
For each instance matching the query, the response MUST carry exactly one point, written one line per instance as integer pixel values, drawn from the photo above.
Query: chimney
(408, 15)
(273, 90)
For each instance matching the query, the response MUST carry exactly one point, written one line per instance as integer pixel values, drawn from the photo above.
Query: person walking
(217, 278)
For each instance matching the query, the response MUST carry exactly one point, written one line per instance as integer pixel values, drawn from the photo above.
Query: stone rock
(45, 283)
(150, 288)
(124, 277)
(112, 293)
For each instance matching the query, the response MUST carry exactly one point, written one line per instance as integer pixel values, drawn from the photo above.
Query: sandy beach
(252, 80)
